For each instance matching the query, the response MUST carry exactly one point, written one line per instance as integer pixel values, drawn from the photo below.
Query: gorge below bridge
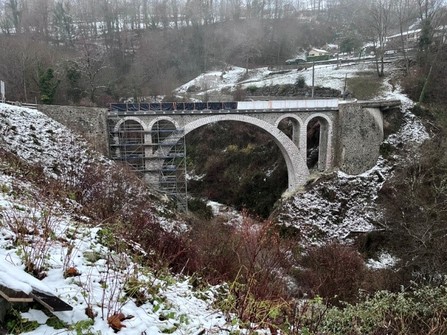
(150, 136)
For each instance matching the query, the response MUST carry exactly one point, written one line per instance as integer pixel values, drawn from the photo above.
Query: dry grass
(367, 86)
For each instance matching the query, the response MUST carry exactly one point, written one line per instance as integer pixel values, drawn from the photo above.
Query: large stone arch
(296, 164)
(327, 135)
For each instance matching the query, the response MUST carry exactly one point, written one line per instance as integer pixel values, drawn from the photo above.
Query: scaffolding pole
(159, 155)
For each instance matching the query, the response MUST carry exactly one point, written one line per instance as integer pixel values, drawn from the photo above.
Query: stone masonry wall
(360, 134)
(359, 131)
(89, 122)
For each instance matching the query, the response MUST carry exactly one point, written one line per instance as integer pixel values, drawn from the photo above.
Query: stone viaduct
(350, 132)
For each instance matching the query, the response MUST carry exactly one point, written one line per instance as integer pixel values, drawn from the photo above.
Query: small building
(331, 47)
(406, 39)
(314, 52)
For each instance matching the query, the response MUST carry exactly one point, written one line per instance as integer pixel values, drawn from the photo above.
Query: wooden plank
(51, 302)
(14, 296)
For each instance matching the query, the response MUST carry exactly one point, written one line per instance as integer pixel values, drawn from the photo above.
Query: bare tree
(431, 16)
(91, 65)
(174, 4)
(19, 62)
(378, 21)
(16, 61)
(63, 23)
(407, 13)
(14, 9)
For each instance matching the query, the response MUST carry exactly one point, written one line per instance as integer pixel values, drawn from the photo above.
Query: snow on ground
(227, 213)
(341, 205)
(172, 305)
(383, 261)
(336, 206)
(333, 208)
(52, 237)
(40, 140)
(326, 75)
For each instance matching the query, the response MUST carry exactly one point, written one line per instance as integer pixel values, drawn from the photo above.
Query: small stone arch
(156, 137)
(325, 139)
(128, 118)
(129, 142)
(297, 125)
(296, 164)
(162, 118)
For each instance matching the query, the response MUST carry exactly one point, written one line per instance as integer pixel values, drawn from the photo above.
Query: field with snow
(213, 83)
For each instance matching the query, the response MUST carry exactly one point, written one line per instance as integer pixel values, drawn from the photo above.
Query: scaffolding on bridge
(158, 155)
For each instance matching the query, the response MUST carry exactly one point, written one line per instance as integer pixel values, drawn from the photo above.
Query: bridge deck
(241, 107)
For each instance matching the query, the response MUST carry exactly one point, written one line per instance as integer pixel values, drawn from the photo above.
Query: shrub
(200, 208)
(34, 231)
(252, 89)
(365, 87)
(15, 324)
(421, 310)
(252, 257)
(109, 193)
(262, 253)
(283, 89)
(239, 94)
(300, 82)
(334, 272)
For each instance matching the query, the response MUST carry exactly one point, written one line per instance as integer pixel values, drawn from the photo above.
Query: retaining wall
(90, 122)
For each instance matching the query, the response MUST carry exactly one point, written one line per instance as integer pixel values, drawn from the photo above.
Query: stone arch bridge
(349, 133)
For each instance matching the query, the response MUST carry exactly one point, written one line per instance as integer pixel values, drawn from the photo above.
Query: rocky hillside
(340, 207)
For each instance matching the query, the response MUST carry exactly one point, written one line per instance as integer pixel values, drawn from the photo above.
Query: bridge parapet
(241, 107)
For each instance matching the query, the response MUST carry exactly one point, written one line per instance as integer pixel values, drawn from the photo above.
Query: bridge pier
(361, 134)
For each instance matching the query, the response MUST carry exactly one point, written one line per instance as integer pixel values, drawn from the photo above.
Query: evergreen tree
(47, 85)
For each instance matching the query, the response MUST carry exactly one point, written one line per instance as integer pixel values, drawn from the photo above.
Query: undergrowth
(267, 280)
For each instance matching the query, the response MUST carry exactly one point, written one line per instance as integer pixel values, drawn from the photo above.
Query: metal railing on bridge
(172, 106)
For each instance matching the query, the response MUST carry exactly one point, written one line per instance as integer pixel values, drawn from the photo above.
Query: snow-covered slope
(214, 82)
(50, 232)
(339, 205)
(35, 228)
(42, 141)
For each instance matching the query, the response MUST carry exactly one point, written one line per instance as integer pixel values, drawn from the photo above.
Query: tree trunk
(424, 88)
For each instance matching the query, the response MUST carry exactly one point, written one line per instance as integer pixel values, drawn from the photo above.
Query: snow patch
(384, 261)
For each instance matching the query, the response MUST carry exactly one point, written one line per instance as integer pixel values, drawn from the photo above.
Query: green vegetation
(243, 158)
(84, 327)
(200, 208)
(15, 324)
(300, 82)
(420, 310)
(47, 85)
(365, 86)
